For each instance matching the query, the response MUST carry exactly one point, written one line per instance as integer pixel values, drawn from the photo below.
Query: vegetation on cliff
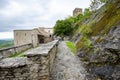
(100, 23)
(68, 26)
(71, 46)
(97, 37)
(98, 41)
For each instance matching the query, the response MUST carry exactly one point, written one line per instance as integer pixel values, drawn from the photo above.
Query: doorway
(40, 39)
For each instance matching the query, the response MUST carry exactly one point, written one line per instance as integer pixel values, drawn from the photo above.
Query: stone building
(49, 30)
(77, 11)
(35, 36)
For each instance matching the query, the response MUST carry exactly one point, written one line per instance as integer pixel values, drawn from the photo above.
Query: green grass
(20, 54)
(71, 46)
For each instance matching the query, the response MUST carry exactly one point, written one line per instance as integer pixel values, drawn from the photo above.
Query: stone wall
(6, 52)
(14, 69)
(37, 65)
(22, 37)
(77, 11)
(49, 30)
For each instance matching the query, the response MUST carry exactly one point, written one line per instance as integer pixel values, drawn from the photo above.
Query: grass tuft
(71, 46)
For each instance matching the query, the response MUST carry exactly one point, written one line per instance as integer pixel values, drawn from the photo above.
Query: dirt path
(67, 66)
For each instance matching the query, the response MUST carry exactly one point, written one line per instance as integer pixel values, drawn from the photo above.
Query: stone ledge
(37, 65)
(13, 62)
(42, 50)
(14, 47)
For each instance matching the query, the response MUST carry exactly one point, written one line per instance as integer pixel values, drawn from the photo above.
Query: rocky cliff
(98, 42)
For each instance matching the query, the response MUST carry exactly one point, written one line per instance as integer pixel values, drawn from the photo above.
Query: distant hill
(6, 43)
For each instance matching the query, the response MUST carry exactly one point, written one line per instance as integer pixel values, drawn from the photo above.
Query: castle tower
(77, 11)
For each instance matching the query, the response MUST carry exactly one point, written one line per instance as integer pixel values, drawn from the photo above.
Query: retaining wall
(6, 52)
(36, 66)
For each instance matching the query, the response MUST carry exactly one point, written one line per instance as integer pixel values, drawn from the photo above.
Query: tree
(78, 18)
(68, 26)
(87, 13)
(64, 27)
(95, 4)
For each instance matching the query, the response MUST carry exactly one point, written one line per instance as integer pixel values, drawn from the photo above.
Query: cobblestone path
(67, 66)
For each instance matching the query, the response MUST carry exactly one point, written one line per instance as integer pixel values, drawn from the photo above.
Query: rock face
(102, 58)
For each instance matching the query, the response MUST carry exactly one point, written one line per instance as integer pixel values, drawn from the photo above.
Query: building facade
(35, 36)
(49, 30)
(22, 37)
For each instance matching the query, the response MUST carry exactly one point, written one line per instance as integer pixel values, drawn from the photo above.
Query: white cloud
(66, 7)
(6, 35)
(26, 14)
(13, 9)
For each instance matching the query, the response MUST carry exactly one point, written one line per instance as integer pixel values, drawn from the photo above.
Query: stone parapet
(14, 69)
(6, 52)
(42, 59)
(36, 66)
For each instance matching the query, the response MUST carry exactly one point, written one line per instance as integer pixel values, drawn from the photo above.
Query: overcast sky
(28, 14)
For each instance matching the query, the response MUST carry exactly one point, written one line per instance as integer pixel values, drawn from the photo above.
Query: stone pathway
(67, 66)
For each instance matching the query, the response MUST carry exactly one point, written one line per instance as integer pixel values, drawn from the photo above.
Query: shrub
(84, 42)
(86, 29)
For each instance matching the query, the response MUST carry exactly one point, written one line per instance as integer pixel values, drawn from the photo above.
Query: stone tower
(77, 11)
